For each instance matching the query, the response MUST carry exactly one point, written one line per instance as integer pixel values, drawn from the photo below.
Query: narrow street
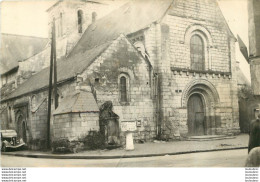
(229, 158)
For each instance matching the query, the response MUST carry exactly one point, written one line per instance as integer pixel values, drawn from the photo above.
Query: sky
(30, 18)
(235, 13)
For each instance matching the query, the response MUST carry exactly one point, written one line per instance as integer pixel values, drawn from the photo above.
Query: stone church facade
(169, 65)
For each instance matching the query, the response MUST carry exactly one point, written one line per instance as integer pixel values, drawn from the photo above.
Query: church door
(24, 132)
(196, 115)
(21, 129)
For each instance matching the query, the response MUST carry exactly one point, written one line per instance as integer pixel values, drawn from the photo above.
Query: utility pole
(50, 91)
(55, 67)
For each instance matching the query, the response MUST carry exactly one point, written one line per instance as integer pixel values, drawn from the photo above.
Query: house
(250, 103)
(14, 50)
(170, 65)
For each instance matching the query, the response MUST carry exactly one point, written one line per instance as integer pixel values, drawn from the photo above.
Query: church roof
(66, 69)
(77, 103)
(129, 18)
(16, 48)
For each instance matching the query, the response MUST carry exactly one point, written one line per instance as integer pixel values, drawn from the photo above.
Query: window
(53, 98)
(80, 21)
(10, 114)
(33, 103)
(96, 80)
(197, 53)
(60, 30)
(123, 90)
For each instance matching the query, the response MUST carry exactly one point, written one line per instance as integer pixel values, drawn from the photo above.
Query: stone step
(209, 137)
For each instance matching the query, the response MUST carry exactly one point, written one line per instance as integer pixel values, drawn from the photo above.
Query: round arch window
(197, 53)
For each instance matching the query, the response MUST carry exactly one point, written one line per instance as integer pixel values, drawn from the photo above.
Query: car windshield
(7, 139)
(8, 133)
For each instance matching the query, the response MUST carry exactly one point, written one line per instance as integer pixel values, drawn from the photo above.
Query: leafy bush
(62, 145)
(245, 92)
(94, 140)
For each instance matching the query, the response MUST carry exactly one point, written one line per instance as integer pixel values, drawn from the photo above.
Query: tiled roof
(77, 103)
(66, 69)
(16, 48)
(129, 18)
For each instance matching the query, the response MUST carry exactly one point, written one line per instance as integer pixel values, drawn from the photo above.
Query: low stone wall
(74, 125)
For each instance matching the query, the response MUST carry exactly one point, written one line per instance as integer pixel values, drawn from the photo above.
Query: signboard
(128, 126)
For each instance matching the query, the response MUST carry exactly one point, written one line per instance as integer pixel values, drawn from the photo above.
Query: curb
(115, 156)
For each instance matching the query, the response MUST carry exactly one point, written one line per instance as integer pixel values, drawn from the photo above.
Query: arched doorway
(196, 115)
(201, 99)
(21, 128)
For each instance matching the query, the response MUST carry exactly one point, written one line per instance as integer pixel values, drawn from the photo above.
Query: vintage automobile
(9, 140)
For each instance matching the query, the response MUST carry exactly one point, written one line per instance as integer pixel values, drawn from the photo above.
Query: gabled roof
(66, 69)
(16, 48)
(77, 103)
(129, 18)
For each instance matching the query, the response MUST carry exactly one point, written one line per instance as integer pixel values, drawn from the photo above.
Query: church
(168, 65)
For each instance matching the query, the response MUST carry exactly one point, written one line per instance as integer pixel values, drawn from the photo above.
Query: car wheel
(4, 149)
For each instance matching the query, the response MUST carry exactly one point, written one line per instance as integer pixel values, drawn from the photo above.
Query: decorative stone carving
(109, 125)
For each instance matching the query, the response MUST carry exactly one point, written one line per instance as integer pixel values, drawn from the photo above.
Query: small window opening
(96, 80)
(80, 20)
(10, 114)
(123, 89)
(60, 33)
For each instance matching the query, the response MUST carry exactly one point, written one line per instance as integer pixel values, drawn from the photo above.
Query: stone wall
(35, 112)
(204, 17)
(38, 116)
(75, 125)
(4, 118)
(175, 105)
(9, 78)
(254, 27)
(122, 58)
(254, 43)
(168, 44)
(183, 20)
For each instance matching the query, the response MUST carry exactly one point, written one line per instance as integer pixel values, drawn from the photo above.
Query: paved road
(230, 158)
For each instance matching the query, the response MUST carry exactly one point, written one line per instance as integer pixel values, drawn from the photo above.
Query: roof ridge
(100, 49)
(115, 23)
(19, 35)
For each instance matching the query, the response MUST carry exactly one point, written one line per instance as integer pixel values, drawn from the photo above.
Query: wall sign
(128, 126)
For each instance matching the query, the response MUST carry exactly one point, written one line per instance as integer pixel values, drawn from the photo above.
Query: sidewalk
(147, 149)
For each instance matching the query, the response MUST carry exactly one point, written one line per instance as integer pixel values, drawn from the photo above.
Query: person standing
(253, 158)
(254, 138)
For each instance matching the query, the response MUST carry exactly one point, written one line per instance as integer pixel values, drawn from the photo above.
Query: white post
(129, 141)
